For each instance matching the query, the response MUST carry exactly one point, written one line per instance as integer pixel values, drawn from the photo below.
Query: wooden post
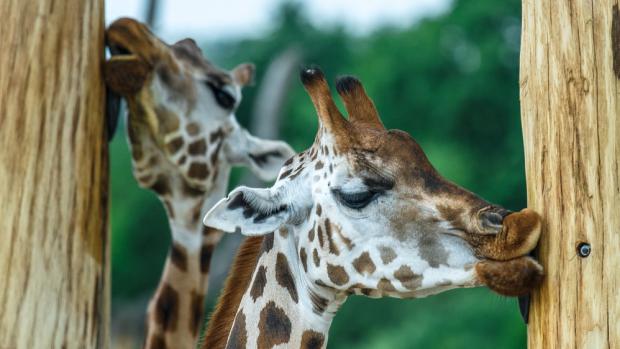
(54, 274)
(570, 66)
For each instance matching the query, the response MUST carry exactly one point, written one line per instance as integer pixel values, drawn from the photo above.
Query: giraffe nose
(493, 218)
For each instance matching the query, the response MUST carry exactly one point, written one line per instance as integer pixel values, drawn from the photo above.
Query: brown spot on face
(198, 170)
(197, 307)
(315, 257)
(304, 258)
(452, 214)
(311, 234)
(268, 243)
(344, 239)
(319, 233)
(319, 165)
(387, 254)
(192, 129)
(182, 160)
(206, 251)
(364, 264)
(274, 327)
(168, 121)
(238, 335)
(432, 251)
(285, 174)
(216, 135)
(330, 239)
(258, 286)
(197, 148)
(167, 308)
(337, 274)
(283, 232)
(408, 278)
(161, 186)
(178, 256)
(285, 277)
(312, 340)
(174, 145)
(319, 210)
(385, 285)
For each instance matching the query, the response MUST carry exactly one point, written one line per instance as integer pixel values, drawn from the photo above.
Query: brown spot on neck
(178, 256)
(274, 326)
(206, 251)
(312, 340)
(197, 307)
(167, 308)
(258, 286)
(238, 336)
(284, 277)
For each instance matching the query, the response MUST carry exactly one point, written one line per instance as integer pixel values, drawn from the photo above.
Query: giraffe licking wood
(361, 212)
(184, 139)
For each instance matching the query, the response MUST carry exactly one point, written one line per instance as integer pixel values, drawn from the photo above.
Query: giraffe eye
(222, 97)
(357, 200)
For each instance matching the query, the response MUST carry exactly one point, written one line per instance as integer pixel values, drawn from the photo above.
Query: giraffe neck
(176, 309)
(280, 305)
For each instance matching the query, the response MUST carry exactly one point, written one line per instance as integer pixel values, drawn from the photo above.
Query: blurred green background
(451, 81)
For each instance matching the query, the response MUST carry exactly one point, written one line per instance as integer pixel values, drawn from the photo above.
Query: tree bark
(570, 65)
(54, 262)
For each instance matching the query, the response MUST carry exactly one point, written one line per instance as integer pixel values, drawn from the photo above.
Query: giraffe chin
(512, 278)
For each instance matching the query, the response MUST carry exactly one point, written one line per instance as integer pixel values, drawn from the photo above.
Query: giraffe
(184, 138)
(361, 212)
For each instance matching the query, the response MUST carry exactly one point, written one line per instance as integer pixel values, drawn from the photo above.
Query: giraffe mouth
(118, 50)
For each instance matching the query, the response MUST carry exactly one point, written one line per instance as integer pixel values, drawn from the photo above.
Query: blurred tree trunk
(54, 258)
(152, 13)
(570, 65)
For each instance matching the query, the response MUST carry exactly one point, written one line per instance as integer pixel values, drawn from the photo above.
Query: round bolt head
(584, 249)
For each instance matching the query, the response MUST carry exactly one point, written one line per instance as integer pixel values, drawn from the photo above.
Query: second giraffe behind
(361, 212)
(184, 140)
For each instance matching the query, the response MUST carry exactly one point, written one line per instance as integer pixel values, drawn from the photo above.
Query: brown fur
(238, 280)
(516, 277)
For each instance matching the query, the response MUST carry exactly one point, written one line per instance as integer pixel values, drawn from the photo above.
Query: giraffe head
(181, 112)
(366, 212)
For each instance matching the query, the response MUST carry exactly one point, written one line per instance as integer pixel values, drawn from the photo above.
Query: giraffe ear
(125, 74)
(248, 211)
(244, 74)
(264, 157)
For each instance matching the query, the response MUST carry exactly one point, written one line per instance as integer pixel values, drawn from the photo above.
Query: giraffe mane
(237, 282)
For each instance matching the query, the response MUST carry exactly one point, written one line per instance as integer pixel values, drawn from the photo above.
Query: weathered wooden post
(54, 274)
(570, 70)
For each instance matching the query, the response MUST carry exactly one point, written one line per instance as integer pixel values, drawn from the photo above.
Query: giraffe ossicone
(362, 211)
(184, 139)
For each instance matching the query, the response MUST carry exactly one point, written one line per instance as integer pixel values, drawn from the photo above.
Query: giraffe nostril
(492, 220)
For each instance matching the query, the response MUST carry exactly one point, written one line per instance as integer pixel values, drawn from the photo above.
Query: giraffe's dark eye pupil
(357, 200)
(222, 97)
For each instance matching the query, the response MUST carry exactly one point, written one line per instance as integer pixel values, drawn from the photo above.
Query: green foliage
(452, 83)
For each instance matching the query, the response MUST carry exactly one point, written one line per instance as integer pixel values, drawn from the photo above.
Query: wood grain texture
(54, 275)
(569, 106)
